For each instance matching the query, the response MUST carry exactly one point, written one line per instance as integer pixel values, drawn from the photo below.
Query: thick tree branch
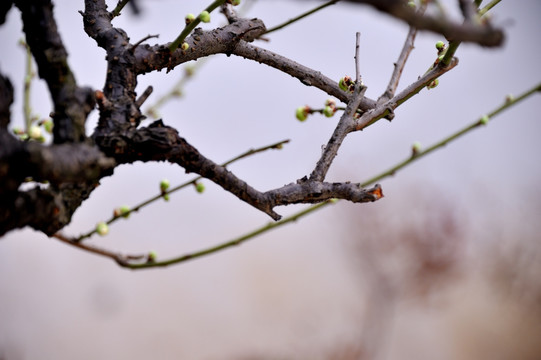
(6, 99)
(222, 40)
(310, 192)
(72, 166)
(482, 34)
(5, 5)
(72, 104)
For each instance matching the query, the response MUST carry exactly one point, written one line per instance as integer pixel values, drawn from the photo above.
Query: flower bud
(152, 255)
(328, 111)
(48, 126)
(34, 132)
(204, 16)
(200, 187)
(189, 18)
(164, 185)
(484, 120)
(433, 84)
(415, 148)
(102, 228)
(302, 113)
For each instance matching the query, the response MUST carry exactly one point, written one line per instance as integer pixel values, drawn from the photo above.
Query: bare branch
(401, 62)
(384, 109)
(307, 76)
(357, 60)
(340, 132)
(483, 35)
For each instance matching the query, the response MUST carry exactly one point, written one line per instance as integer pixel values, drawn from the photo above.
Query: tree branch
(6, 99)
(72, 104)
(401, 62)
(484, 35)
(306, 75)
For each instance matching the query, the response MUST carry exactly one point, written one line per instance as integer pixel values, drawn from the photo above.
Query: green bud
(235, 2)
(330, 102)
(34, 132)
(204, 16)
(166, 197)
(411, 4)
(48, 126)
(164, 185)
(440, 45)
(189, 70)
(200, 187)
(433, 84)
(347, 84)
(328, 111)
(152, 255)
(484, 120)
(342, 84)
(123, 211)
(185, 46)
(18, 131)
(189, 18)
(102, 228)
(302, 113)
(415, 148)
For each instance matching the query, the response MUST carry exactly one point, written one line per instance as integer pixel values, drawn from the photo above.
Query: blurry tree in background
(67, 170)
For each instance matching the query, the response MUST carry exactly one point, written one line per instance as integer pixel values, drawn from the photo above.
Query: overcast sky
(60, 303)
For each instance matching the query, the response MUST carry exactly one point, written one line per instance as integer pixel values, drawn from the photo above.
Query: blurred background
(445, 266)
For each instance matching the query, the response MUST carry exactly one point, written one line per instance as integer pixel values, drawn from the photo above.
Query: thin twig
(228, 244)
(122, 260)
(384, 109)
(331, 149)
(119, 7)
(27, 107)
(143, 40)
(189, 27)
(357, 60)
(402, 58)
(144, 96)
(302, 16)
(488, 6)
